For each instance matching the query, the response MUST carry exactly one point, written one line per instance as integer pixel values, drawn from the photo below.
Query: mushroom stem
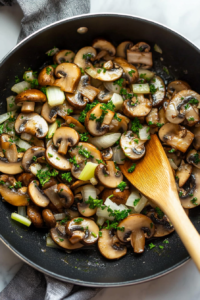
(28, 107)
(138, 241)
(63, 147)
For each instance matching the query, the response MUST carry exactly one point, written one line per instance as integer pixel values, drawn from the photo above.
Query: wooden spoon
(153, 177)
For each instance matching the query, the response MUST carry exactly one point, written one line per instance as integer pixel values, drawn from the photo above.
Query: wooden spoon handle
(185, 229)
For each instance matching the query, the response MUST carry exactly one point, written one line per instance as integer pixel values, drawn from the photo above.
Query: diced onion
(26, 136)
(87, 191)
(21, 210)
(22, 144)
(55, 96)
(157, 49)
(52, 129)
(21, 219)
(34, 168)
(132, 197)
(11, 103)
(100, 221)
(50, 243)
(88, 171)
(172, 163)
(103, 213)
(93, 181)
(111, 87)
(145, 74)
(144, 133)
(118, 155)
(28, 76)
(111, 204)
(60, 216)
(105, 141)
(6, 116)
(53, 51)
(141, 204)
(20, 87)
(141, 88)
(117, 100)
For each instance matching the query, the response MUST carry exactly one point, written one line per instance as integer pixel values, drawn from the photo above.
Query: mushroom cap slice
(85, 210)
(92, 154)
(83, 55)
(13, 196)
(31, 123)
(65, 137)
(32, 95)
(118, 197)
(108, 175)
(153, 118)
(49, 218)
(27, 160)
(163, 226)
(76, 100)
(190, 197)
(176, 86)
(95, 127)
(37, 195)
(63, 241)
(63, 56)
(138, 106)
(86, 226)
(130, 72)
(107, 153)
(87, 90)
(102, 44)
(78, 183)
(46, 76)
(159, 95)
(110, 246)
(119, 126)
(57, 160)
(52, 194)
(25, 178)
(77, 125)
(140, 58)
(176, 136)
(132, 146)
(49, 113)
(10, 149)
(103, 74)
(122, 48)
(66, 195)
(69, 75)
(193, 158)
(183, 173)
(11, 168)
(34, 214)
(196, 141)
(136, 228)
(104, 95)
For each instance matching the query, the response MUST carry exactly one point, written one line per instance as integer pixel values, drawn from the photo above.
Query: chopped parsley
(69, 111)
(72, 125)
(84, 152)
(84, 136)
(78, 220)
(18, 184)
(180, 193)
(136, 126)
(136, 201)
(191, 119)
(45, 176)
(153, 89)
(132, 168)
(34, 158)
(194, 201)
(159, 212)
(67, 176)
(99, 71)
(159, 124)
(196, 158)
(87, 108)
(122, 186)
(87, 56)
(172, 150)
(100, 233)
(165, 242)
(74, 161)
(43, 90)
(92, 117)
(131, 73)
(94, 202)
(17, 80)
(68, 52)
(92, 233)
(50, 155)
(166, 70)
(151, 246)
(82, 71)
(119, 82)
(1, 128)
(161, 247)
(58, 122)
(187, 105)
(63, 221)
(193, 101)
(48, 70)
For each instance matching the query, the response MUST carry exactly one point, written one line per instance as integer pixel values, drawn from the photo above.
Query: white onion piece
(105, 141)
(50, 243)
(111, 87)
(118, 155)
(53, 51)
(111, 204)
(157, 49)
(28, 76)
(93, 181)
(141, 204)
(52, 129)
(6, 116)
(144, 133)
(22, 144)
(26, 136)
(87, 191)
(122, 207)
(60, 216)
(146, 74)
(21, 210)
(20, 87)
(100, 221)
(141, 88)
(172, 164)
(132, 197)
(34, 168)
(104, 214)
(117, 100)
(11, 103)
(55, 96)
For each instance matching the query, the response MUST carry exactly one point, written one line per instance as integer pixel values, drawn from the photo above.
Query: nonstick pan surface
(88, 267)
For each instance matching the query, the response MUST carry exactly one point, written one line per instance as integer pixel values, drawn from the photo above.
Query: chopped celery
(20, 219)
(52, 129)
(55, 96)
(88, 171)
(142, 88)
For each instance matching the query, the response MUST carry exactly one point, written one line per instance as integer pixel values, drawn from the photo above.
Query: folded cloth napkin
(29, 284)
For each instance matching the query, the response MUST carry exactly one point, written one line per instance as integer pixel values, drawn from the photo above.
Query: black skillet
(88, 267)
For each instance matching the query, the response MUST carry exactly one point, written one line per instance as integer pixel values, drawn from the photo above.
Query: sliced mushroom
(138, 106)
(163, 226)
(193, 158)
(46, 76)
(31, 155)
(92, 154)
(77, 100)
(63, 241)
(25, 178)
(27, 99)
(136, 228)
(183, 173)
(83, 56)
(11, 168)
(176, 86)
(52, 194)
(103, 74)
(102, 44)
(31, 123)
(176, 155)
(161, 115)
(110, 246)
(72, 212)
(9, 149)
(179, 107)
(13, 196)
(85, 210)
(107, 153)
(65, 137)
(66, 195)
(104, 95)
(159, 95)
(176, 136)
(34, 214)
(119, 126)
(132, 146)
(122, 49)
(86, 89)
(152, 118)
(63, 56)
(69, 75)
(52, 181)
(83, 230)
(130, 72)
(98, 127)
(57, 160)
(49, 218)
(118, 196)
(140, 54)
(50, 113)
(37, 195)
(72, 122)
(108, 175)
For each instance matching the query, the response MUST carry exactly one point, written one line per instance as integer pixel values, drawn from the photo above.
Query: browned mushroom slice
(102, 44)
(36, 142)
(76, 100)
(83, 56)
(118, 196)
(104, 95)
(27, 99)
(66, 195)
(79, 183)
(110, 246)
(49, 113)
(122, 49)
(85, 152)
(162, 225)
(176, 136)
(152, 118)
(31, 123)
(130, 71)
(86, 89)
(107, 153)
(140, 54)
(11, 168)
(136, 228)
(25, 178)
(132, 146)
(182, 106)
(94, 123)
(72, 122)
(63, 241)
(69, 75)
(119, 126)
(37, 195)
(159, 94)
(31, 155)
(196, 141)
(176, 155)
(57, 160)
(49, 218)
(9, 149)
(63, 56)
(193, 158)
(46, 76)
(34, 214)
(103, 74)
(52, 194)
(65, 137)
(183, 173)
(161, 115)
(13, 196)
(72, 212)
(85, 210)
(138, 106)
(52, 181)
(84, 230)
(176, 86)
(108, 175)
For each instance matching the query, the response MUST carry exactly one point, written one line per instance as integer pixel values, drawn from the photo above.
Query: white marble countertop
(182, 16)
